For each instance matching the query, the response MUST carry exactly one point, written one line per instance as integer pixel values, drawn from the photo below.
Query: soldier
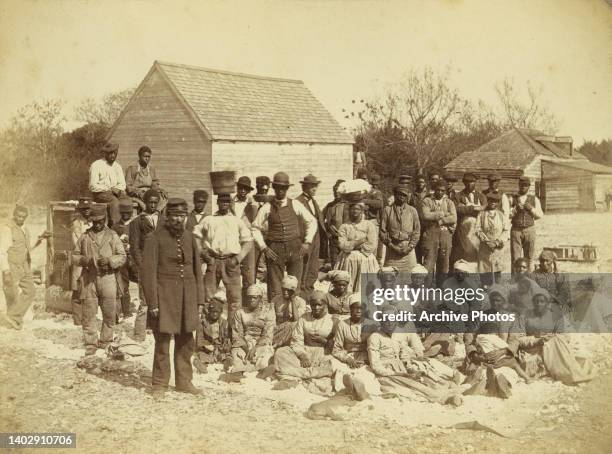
(525, 210)
(285, 245)
(310, 184)
(101, 254)
(79, 224)
(15, 264)
(200, 199)
(172, 282)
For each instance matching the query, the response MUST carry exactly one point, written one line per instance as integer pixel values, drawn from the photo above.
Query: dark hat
(150, 193)
(404, 179)
(109, 146)
(496, 196)
(402, 189)
(125, 205)
(310, 179)
(439, 184)
(375, 178)
(98, 211)
(281, 179)
(224, 197)
(524, 180)
(262, 181)
(450, 178)
(200, 194)
(176, 206)
(469, 176)
(494, 177)
(245, 182)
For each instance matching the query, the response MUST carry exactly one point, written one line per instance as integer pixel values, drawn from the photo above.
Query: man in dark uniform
(200, 198)
(310, 184)
(172, 281)
(285, 244)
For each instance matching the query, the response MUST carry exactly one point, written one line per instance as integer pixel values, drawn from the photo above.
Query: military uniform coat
(172, 281)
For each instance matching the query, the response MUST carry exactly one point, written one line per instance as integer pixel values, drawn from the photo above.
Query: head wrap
(500, 290)
(462, 265)
(419, 269)
(317, 294)
(548, 255)
(353, 299)
(537, 290)
(289, 282)
(254, 290)
(339, 276)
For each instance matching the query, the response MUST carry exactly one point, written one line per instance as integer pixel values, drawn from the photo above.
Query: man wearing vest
(525, 210)
(225, 240)
(245, 208)
(504, 203)
(310, 184)
(285, 244)
(101, 254)
(200, 199)
(15, 263)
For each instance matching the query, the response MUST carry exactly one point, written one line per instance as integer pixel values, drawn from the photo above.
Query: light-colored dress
(252, 330)
(357, 259)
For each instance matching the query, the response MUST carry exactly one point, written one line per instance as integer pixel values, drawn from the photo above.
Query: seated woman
(539, 339)
(556, 284)
(357, 241)
(338, 296)
(351, 356)
(390, 359)
(213, 343)
(288, 307)
(488, 356)
(252, 331)
(308, 357)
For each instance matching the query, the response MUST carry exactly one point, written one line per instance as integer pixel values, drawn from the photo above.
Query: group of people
(294, 331)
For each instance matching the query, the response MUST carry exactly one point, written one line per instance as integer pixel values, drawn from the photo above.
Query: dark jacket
(140, 228)
(171, 278)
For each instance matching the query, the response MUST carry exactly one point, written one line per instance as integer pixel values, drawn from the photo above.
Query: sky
(342, 50)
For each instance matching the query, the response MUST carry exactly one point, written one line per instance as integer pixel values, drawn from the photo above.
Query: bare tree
(528, 111)
(103, 111)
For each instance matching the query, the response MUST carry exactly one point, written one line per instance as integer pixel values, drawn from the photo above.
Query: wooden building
(515, 153)
(197, 120)
(579, 185)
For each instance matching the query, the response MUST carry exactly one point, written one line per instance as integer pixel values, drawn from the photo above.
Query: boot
(189, 389)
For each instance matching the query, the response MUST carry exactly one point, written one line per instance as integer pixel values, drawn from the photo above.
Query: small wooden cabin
(197, 120)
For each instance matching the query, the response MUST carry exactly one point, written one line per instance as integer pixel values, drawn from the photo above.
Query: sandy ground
(42, 390)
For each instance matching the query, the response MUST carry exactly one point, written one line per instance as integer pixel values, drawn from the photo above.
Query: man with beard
(225, 241)
(101, 254)
(285, 244)
(200, 198)
(15, 263)
(173, 287)
(106, 180)
(310, 184)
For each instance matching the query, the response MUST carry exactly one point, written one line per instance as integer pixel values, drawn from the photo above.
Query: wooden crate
(569, 253)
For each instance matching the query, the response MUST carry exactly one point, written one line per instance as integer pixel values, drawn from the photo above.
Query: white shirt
(537, 210)
(104, 177)
(222, 234)
(6, 242)
(260, 224)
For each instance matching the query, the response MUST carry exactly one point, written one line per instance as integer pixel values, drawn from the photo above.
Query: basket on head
(223, 182)
(354, 197)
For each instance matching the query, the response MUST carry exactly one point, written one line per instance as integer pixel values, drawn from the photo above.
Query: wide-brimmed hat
(245, 182)
(281, 179)
(310, 179)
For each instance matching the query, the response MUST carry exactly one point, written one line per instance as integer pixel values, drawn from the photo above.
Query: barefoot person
(172, 282)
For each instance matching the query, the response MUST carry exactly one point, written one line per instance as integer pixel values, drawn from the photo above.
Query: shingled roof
(243, 107)
(514, 149)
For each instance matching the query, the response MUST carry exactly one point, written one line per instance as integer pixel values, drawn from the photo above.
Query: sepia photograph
(318, 226)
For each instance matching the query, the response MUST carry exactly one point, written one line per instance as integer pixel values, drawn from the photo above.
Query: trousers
(289, 260)
(19, 292)
(112, 203)
(310, 266)
(222, 270)
(100, 291)
(183, 350)
(437, 244)
(522, 244)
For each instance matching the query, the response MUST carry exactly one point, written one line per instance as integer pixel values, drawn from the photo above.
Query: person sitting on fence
(139, 177)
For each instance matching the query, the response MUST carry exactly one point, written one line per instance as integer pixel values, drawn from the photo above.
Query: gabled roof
(514, 149)
(243, 107)
(588, 165)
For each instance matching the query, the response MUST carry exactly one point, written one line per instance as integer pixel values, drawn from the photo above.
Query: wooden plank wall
(508, 183)
(181, 153)
(602, 183)
(328, 162)
(567, 188)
